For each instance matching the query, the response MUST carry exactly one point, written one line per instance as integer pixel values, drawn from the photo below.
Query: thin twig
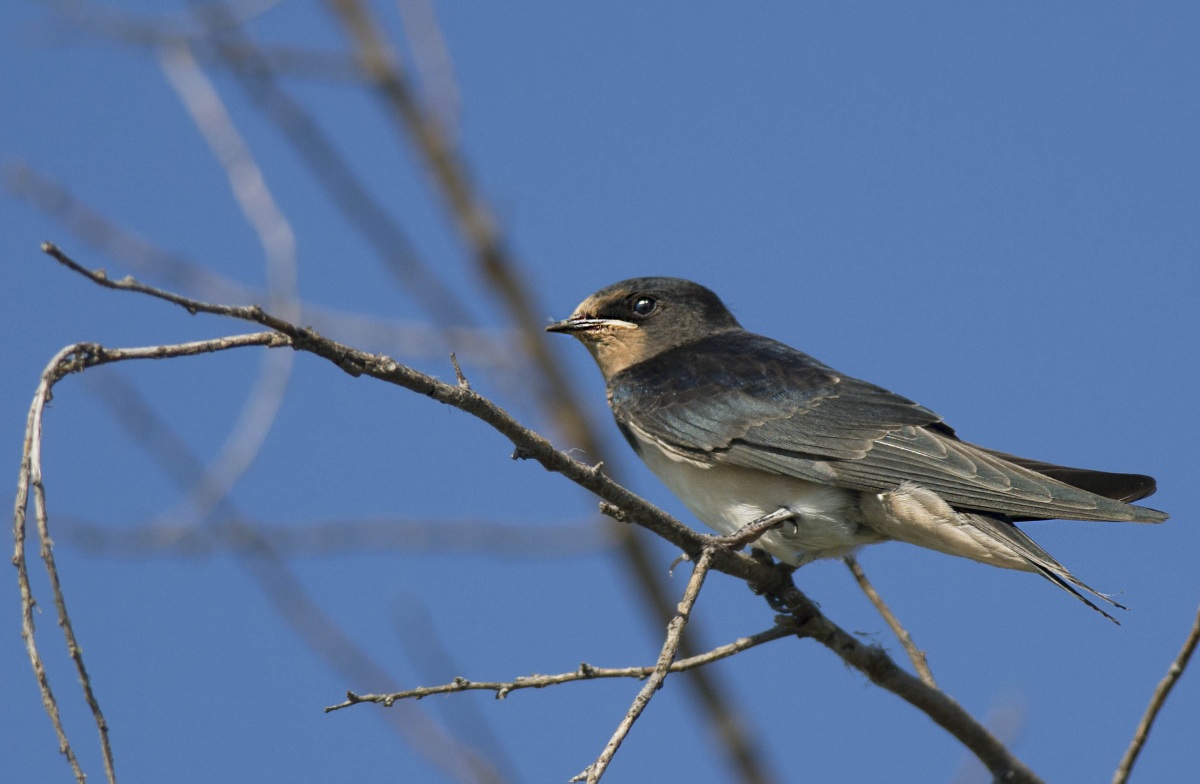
(72, 359)
(594, 772)
(31, 473)
(1161, 692)
(586, 672)
(774, 582)
(915, 654)
(458, 374)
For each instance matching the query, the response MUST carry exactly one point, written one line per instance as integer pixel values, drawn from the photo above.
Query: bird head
(634, 320)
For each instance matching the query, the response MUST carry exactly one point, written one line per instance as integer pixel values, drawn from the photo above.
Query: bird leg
(753, 530)
(748, 533)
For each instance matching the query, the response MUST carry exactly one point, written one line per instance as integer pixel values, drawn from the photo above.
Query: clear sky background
(993, 209)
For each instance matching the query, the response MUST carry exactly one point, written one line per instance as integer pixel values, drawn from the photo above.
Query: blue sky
(989, 209)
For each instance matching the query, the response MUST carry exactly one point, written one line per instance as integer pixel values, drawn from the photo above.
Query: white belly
(828, 523)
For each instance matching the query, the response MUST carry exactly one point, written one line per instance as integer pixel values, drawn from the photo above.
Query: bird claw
(678, 560)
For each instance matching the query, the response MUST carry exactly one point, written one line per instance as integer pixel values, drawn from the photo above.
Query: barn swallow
(740, 426)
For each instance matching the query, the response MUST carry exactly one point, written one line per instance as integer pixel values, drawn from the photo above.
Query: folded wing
(751, 401)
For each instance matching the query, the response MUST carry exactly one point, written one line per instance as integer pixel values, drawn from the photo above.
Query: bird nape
(739, 426)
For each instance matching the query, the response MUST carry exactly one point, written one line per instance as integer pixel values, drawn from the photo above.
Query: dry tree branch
(586, 672)
(915, 654)
(771, 580)
(1157, 700)
(594, 772)
(73, 359)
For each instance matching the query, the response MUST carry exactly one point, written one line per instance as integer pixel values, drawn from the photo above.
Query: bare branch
(72, 359)
(586, 672)
(915, 654)
(419, 637)
(1157, 700)
(594, 772)
(773, 581)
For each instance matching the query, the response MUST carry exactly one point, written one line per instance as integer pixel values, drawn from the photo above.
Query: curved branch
(1157, 700)
(73, 359)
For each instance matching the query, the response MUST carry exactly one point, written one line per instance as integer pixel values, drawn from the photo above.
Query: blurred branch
(471, 215)
(334, 537)
(771, 580)
(135, 30)
(347, 192)
(1157, 700)
(915, 654)
(119, 243)
(432, 660)
(278, 241)
(432, 59)
(283, 60)
(1006, 719)
(481, 347)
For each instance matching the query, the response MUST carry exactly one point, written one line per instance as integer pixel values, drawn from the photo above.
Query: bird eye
(644, 306)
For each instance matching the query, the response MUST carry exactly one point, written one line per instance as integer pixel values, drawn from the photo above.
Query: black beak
(573, 325)
(566, 325)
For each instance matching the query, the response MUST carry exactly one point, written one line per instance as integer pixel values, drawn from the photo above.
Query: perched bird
(740, 426)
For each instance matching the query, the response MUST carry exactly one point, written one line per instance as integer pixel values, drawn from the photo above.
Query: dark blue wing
(747, 400)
